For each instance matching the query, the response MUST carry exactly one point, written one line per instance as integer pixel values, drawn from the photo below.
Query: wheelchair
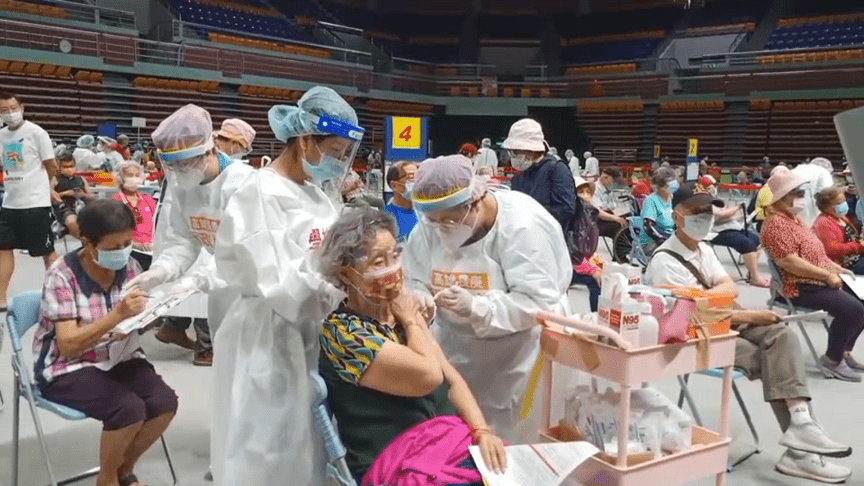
(624, 250)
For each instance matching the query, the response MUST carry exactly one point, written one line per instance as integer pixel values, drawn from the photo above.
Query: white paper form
(536, 464)
(157, 306)
(855, 283)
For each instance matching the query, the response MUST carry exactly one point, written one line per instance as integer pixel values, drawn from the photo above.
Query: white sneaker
(812, 466)
(811, 438)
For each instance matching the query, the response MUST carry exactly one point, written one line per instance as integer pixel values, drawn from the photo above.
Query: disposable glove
(186, 284)
(149, 279)
(457, 300)
(427, 305)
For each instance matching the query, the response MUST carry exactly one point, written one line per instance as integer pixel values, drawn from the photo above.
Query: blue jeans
(593, 288)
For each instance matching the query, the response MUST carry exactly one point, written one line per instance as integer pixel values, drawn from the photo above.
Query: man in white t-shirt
(28, 166)
(765, 349)
(486, 157)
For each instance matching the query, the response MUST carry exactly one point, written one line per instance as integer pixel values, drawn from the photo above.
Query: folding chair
(779, 299)
(22, 315)
(718, 373)
(731, 257)
(337, 472)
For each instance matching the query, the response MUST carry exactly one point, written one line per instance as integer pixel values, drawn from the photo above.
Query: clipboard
(156, 308)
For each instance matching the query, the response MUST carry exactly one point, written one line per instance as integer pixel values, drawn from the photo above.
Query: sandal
(763, 282)
(128, 480)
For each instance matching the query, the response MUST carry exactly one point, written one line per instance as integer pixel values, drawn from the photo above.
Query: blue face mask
(673, 185)
(113, 259)
(409, 186)
(327, 168)
(842, 209)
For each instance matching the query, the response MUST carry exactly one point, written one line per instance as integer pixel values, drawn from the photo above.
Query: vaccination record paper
(536, 464)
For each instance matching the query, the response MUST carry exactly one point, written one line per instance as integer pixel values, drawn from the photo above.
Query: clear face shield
(328, 160)
(186, 168)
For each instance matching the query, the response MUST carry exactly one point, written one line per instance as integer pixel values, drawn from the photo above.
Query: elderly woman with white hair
(129, 176)
(388, 381)
(490, 260)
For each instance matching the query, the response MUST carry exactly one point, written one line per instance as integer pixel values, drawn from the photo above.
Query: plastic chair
(23, 314)
(780, 299)
(718, 373)
(337, 472)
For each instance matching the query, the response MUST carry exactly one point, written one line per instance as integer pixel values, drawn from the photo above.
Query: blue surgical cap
(85, 141)
(288, 121)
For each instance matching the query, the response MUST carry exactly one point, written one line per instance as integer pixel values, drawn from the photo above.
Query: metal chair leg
(735, 262)
(812, 348)
(690, 403)
(756, 450)
(16, 416)
(40, 434)
(170, 463)
(2, 401)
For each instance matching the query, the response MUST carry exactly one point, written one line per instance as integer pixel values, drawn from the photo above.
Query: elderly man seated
(765, 348)
(82, 363)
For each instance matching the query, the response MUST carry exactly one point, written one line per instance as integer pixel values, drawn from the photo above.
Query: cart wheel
(622, 245)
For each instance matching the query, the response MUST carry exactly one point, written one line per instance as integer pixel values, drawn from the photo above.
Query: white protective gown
(86, 159)
(818, 178)
(185, 237)
(574, 165)
(520, 266)
(262, 425)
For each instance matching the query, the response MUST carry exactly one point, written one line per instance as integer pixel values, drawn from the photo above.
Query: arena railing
(753, 58)
(186, 30)
(96, 15)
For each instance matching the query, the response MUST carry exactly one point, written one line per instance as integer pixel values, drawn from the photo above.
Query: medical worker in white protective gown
(201, 180)
(262, 427)
(490, 259)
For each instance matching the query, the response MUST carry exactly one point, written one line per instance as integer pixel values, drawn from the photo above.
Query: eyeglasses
(450, 221)
(379, 260)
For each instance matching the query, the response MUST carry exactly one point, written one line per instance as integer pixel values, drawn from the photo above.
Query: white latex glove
(184, 285)
(457, 300)
(149, 279)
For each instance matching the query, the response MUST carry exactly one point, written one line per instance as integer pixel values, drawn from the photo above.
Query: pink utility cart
(631, 368)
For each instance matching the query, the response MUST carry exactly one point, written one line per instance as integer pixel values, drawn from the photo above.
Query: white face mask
(697, 226)
(454, 235)
(132, 183)
(13, 118)
(798, 205)
(520, 162)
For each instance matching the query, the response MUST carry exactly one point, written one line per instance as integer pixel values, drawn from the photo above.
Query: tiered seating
(231, 19)
(266, 92)
(802, 129)
(756, 134)
(175, 84)
(679, 121)
(269, 45)
(812, 56)
(603, 23)
(818, 32)
(612, 124)
(610, 48)
(54, 98)
(33, 8)
(626, 67)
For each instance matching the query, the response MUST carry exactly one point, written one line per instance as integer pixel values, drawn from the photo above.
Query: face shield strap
(187, 153)
(428, 205)
(334, 126)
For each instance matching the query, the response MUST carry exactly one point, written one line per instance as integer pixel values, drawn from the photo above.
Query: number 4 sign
(406, 132)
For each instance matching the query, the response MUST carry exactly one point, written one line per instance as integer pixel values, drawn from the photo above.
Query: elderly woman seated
(843, 243)
(657, 209)
(129, 176)
(82, 363)
(388, 380)
(809, 277)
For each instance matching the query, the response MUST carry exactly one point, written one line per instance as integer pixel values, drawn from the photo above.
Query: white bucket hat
(782, 183)
(525, 134)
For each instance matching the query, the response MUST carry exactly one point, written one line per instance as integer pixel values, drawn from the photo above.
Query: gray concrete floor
(74, 445)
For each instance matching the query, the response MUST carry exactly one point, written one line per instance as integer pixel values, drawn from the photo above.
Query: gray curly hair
(347, 241)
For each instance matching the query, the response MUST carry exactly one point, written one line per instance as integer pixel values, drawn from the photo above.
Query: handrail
(180, 26)
(346, 28)
(85, 12)
(741, 58)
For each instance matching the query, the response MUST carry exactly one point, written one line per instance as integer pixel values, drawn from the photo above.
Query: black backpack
(582, 234)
